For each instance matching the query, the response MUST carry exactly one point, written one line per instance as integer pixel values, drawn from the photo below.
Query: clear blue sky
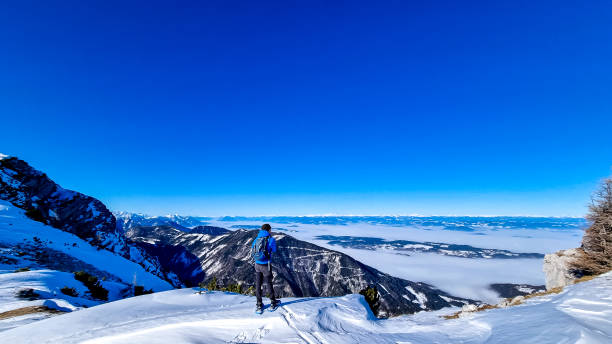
(305, 107)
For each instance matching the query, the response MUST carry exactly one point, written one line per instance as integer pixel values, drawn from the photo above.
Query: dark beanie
(266, 227)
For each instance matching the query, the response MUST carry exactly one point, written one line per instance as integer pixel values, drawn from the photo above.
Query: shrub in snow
(211, 285)
(372, 298)
(69, 291)
(140, 290)
(96, 290)
(27, 293)
(250, 291)
(233, 288)
(230, 287)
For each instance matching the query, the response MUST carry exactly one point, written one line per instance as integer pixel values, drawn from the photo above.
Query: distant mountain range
(453, 223)
(405, 247)
(127, 220)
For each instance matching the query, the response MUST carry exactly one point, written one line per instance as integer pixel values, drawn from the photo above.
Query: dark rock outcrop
(510, 290)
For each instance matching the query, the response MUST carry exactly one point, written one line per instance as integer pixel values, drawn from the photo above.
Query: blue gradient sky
(295, 108)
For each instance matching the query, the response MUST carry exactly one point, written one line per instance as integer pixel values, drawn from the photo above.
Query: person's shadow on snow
(306, 299)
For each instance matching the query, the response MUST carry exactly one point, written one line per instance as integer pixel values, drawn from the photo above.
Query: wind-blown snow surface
(580, 314)
(464, 277)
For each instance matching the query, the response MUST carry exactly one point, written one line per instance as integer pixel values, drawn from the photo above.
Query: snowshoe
(274, 306)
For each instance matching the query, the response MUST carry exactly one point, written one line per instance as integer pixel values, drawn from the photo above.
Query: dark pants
(262, 272)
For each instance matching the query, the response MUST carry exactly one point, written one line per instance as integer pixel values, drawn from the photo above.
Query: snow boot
(259, 309)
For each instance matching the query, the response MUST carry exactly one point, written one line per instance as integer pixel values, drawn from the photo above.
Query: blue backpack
(259, 251)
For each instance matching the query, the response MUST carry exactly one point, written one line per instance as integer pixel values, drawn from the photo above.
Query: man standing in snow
(261, 249)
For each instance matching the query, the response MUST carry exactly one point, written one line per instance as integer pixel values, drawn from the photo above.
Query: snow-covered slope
(39, 260)
(46, 288)
(18, 229)
(580, 314)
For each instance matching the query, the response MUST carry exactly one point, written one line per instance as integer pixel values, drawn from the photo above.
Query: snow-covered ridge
(40, 260)
(47, 202)
(16, 228)
(580, 314)
(126, 220)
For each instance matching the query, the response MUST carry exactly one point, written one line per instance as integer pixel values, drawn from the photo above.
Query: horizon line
(353, 215)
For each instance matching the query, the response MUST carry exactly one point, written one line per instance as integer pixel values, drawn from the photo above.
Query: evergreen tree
(596, 246)
(212, 284)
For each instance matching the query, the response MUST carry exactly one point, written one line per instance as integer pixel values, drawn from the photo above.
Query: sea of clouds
(465, 277)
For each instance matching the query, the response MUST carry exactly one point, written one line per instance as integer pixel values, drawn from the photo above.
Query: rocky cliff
(71, 211)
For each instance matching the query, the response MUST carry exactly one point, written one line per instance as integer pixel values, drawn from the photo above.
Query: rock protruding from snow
(557, 268)
(512, 302)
